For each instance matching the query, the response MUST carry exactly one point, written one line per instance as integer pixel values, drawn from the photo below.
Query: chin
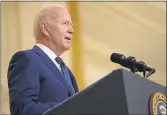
(66, 48)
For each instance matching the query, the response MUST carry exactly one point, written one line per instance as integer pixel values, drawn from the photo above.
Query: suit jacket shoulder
(35, 83)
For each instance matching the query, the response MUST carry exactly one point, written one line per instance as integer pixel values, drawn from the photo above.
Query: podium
(120, 92)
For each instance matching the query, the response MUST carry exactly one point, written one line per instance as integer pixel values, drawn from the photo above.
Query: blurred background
(101, 28)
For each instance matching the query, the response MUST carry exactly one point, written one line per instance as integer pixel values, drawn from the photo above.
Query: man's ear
(44, 28)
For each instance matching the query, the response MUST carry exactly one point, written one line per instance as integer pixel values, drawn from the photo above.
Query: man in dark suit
(38, 79)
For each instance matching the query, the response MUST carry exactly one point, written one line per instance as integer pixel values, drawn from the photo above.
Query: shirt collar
(47, 51)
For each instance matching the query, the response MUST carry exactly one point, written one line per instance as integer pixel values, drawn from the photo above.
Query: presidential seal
(158, 104)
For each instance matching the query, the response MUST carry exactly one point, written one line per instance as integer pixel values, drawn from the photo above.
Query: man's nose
(71, 30)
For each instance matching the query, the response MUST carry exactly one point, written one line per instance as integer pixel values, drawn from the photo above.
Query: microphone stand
(132, 68)
(143, 69)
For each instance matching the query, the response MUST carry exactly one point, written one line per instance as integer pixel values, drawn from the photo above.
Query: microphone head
(116, 57)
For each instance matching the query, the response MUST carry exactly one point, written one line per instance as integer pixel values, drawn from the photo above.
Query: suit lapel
(51, 65)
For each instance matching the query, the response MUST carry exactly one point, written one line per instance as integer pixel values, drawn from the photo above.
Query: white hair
(43, 14)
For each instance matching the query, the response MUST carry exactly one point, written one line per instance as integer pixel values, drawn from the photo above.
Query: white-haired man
(38, 79)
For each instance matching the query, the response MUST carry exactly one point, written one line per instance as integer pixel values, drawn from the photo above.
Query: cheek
(55, 34)
(58, 37)
(58, 33)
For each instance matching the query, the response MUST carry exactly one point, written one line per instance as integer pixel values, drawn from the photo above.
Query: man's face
(60, 30)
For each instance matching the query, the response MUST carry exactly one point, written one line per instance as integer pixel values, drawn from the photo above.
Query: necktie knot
(59, 60)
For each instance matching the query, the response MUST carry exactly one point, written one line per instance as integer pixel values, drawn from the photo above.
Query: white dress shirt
(49, 53)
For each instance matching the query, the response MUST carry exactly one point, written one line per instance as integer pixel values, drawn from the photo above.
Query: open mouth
(67, 38)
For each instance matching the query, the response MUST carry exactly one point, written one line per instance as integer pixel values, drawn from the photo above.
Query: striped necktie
(65, 73)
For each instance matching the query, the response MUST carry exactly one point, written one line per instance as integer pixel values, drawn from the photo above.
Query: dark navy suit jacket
(35, 83)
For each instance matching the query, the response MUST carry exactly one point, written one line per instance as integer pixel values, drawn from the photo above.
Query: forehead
(61, 15)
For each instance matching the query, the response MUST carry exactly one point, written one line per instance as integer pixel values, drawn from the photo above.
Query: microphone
(131, 63)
